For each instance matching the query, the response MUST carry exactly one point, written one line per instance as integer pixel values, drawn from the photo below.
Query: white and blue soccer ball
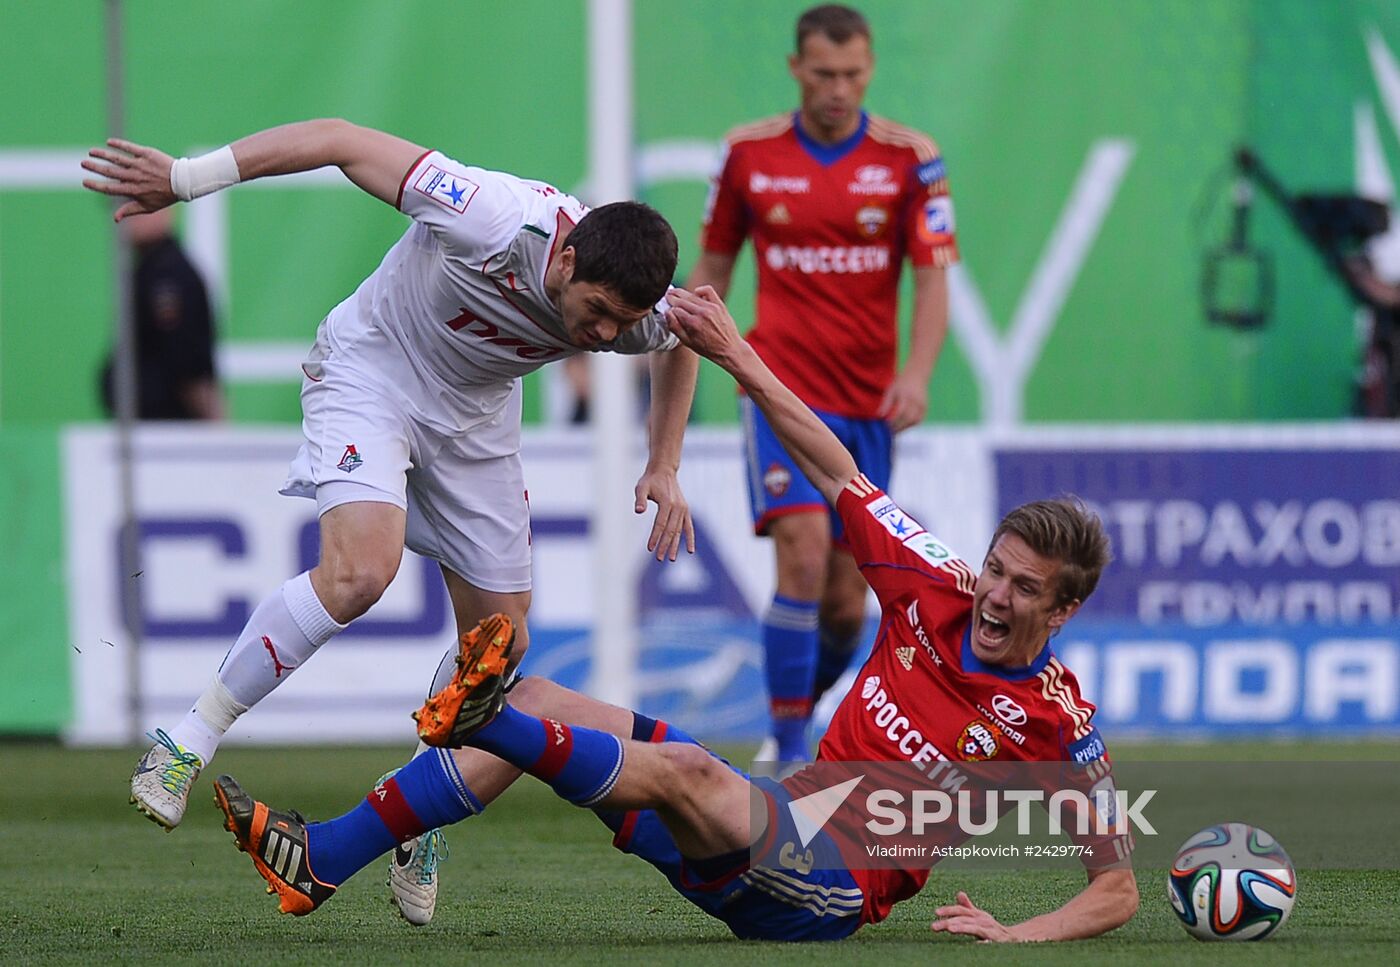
(1232, 882)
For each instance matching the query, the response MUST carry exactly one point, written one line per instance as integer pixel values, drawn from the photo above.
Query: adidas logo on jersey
(906, 657)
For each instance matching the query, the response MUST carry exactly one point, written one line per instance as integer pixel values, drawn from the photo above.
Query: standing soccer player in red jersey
(962, 674)
(834, 200)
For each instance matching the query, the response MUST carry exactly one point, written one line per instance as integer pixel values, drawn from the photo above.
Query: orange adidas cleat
(476, 693)
(276, 841)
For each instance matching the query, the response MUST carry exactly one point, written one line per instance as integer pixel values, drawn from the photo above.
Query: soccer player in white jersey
(411, 402)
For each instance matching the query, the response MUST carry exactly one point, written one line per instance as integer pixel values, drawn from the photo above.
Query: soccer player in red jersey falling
(834, 200)
(961, 673)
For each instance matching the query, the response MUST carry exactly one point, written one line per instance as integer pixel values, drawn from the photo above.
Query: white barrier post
(614, 396)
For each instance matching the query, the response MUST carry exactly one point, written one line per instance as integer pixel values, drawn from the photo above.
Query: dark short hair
(629, 248)
(837, 22)
(1067, 531)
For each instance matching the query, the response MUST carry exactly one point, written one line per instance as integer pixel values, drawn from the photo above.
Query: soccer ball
(1232, 882)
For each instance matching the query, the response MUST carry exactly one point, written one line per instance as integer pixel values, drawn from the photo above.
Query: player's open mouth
(992, 630)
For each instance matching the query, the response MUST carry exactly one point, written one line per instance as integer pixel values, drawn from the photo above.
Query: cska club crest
(872, 219)
(978, 741)
(777, 479)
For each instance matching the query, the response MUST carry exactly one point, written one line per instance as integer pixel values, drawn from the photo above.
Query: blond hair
(1066, 530)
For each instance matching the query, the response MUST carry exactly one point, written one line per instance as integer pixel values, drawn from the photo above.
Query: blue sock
(425, 794)
(790, 665)
(834, 653)
(647, 729)
(581, 765)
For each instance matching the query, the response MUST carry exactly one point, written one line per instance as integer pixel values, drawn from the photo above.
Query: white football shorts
(466, 509)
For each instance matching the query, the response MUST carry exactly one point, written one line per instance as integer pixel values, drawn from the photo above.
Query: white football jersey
(457, 312)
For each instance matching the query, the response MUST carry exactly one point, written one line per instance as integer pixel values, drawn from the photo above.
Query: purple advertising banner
(1209, 537)
(1252, 590)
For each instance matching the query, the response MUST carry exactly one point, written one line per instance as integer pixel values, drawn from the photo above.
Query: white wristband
(191, 178)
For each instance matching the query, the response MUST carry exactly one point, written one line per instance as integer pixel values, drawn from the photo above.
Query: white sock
(441, 677)
(445, 670)
(283, 632)
(205, 724)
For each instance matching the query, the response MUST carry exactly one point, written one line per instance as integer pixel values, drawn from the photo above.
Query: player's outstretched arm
(701, 321)
(375, 161)
(1108, 902)
(672, 392)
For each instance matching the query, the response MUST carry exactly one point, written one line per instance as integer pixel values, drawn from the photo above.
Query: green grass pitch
(90, 881)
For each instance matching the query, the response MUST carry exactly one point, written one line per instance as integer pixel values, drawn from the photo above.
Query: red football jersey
(831, 227)
(924, 697)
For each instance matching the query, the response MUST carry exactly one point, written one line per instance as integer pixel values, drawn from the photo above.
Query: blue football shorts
(777, 487)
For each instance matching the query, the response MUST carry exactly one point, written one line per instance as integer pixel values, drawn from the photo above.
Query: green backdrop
(1015, 91)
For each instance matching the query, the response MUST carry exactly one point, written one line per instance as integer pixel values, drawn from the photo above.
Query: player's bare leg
(801, 542)
(840, 618)
(489, 776)
(361, 547)
(704, 803)
(470, 604)
(361, 544)
(305, 862)
(413, 866)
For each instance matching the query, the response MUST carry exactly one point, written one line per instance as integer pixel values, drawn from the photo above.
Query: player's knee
(690, 769)
(802, 574)
(353, 586)
(802, 535)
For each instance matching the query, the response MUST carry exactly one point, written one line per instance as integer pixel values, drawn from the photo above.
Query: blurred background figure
(576, 406)
(580, 387)
(833, 200)
(1343, 229)
(1379, 379)
(174, 329)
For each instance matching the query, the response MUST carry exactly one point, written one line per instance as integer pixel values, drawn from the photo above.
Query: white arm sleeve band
(192, 177)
